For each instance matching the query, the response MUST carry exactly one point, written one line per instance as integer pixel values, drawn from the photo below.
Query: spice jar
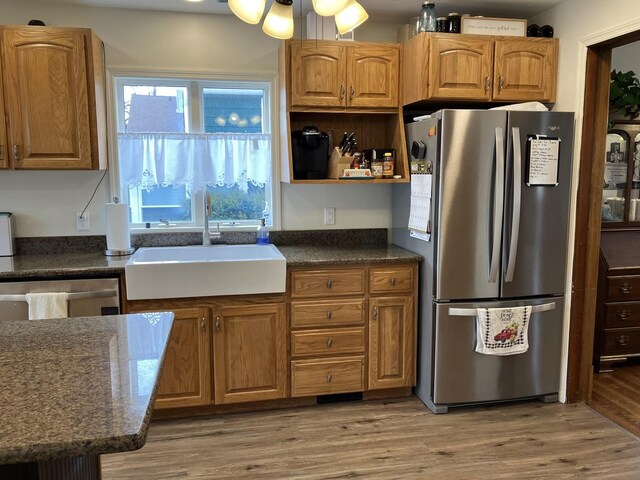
(442, 24)
(376, 167)
(387, 165)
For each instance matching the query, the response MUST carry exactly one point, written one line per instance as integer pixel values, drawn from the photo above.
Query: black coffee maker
(310, 151)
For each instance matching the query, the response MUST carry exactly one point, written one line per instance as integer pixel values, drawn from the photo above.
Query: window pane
(172, 204)
(155, 108)
(233, 110)
(231, 203)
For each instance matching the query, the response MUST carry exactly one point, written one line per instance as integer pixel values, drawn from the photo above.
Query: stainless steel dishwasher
(86, 297)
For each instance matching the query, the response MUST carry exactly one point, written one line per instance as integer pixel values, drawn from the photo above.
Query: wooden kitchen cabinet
(480, 68)
(250, 353)
(185, 377)
(4, 150)
(342, 87)
(330, 74)
(54, 98)
(392, 326)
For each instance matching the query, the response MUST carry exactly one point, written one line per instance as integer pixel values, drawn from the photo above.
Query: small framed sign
(542, 161)
(511, 27)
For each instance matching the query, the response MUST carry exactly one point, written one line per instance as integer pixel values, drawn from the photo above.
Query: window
(178, 137)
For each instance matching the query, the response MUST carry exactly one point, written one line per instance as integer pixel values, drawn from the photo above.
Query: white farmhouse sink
(198, 271)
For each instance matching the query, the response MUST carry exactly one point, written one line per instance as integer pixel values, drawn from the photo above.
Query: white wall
(45, 202)
(578, 24)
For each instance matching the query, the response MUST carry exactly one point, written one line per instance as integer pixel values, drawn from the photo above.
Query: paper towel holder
(119, 252)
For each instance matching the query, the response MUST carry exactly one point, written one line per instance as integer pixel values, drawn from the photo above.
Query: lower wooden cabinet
(392, 342)
(250, 353)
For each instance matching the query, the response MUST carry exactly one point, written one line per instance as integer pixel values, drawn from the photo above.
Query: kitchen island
(72, 389)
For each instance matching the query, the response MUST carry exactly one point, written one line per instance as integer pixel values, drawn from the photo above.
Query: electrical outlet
(82, 222)
(330, 216)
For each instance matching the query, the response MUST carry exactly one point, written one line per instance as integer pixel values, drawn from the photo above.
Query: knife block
(337, 163)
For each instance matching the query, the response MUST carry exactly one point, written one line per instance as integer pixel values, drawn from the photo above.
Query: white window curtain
(196, 160)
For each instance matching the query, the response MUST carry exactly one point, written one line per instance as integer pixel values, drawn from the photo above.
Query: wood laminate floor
(386, 439)
(616, 395)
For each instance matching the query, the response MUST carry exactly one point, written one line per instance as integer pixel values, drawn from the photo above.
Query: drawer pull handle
(16, 153)
(500, 83)
(622, 340)
(329, 314)
(329, 343)
(623, 314)
(393, 281)
(341, 92)
(329, 283)
(625, 288)
(375, 313)
(217, 323)
(329, 377)
(203, 324)
(487, 83)
(353, 92)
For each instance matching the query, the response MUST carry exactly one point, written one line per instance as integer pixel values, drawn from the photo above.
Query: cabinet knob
(352, 93)
(487, 83)
(623, 314)
(375, 313)
(329, 343)
(329, 377)
(625, 288)
(329, 283)
(203, 324)
(329, 314)
(622, 340)
(217, 323)
(393, 281)
(16, 153)
(341, 92)
(500, 83)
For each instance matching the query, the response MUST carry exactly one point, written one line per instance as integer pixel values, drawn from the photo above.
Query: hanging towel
(502, 331)
(47, 305)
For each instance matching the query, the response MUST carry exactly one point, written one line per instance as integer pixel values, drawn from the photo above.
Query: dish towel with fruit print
(502, 331)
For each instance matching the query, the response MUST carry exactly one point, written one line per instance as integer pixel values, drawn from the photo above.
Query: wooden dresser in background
(617, 329)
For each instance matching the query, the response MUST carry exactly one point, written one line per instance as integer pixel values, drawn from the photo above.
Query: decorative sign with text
(510, 27)
(543, 155)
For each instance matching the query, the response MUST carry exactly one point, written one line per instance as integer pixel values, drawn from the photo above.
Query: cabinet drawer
(318, 377)
(621, 341)
(326, 314)
(326, 283)
(327, 342)
(622, 315)
(623, 288)
(391, 279)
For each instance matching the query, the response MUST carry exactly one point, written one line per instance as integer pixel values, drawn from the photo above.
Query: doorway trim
(595, 62)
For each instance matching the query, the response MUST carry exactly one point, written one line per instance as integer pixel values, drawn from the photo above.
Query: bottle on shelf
(428, 17)
(387, 165)
(262, 235)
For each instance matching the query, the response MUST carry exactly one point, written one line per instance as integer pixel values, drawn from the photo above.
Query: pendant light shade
(327, 8)
(350, 17)
(279, 21)
(249, 11)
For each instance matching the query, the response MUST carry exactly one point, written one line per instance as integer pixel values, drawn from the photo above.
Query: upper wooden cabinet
(331, 74)
(54, 98)
(479, 68)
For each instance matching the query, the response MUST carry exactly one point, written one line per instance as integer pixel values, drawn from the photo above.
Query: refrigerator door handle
(471, 312)
(517, 204)
(498, 206)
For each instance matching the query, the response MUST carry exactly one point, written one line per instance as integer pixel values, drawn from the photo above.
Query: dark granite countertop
(91, 264)
(66, 387)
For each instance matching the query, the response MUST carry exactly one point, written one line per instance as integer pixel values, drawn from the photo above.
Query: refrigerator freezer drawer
(462, 376)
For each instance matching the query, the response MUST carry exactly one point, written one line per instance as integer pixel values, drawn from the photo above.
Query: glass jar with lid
(454, 21)
(428, 17)
(387, 165)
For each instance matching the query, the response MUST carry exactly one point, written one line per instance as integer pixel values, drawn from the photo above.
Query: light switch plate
(83, 222)
(330, 216)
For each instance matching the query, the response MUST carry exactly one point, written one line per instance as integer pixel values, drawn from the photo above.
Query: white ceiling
(379, 10)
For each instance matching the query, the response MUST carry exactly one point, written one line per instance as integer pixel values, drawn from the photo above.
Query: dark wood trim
(588, 220)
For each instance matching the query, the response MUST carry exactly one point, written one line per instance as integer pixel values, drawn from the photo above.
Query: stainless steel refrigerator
(499, 227)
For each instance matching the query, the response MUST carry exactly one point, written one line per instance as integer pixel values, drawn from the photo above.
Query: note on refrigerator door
(542, 161)
(420, 212)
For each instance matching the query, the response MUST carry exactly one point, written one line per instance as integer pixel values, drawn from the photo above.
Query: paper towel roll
(117, 223)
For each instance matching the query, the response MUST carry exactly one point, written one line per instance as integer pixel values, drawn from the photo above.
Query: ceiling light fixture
(279, 21)
(249, 11)
(327, 8)
(350, 17)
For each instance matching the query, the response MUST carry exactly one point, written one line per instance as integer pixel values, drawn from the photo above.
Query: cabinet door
(185, 380)
(392, 344)
(460, 67)
(525, 69)
(45, 74)
(250, 353)
(318, 74)
(372, 76)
